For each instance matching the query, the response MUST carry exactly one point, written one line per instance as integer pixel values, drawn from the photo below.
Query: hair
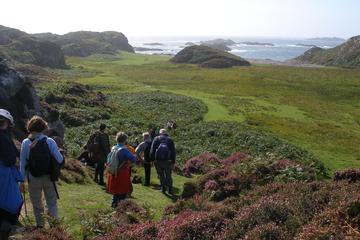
(36, 124)
(102, 127)
(121, 137)
(146, 135)
(163, 131)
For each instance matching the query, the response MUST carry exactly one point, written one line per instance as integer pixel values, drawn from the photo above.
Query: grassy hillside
(317, 109)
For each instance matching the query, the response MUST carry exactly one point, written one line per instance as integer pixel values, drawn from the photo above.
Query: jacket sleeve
(24, 153)
(173, 151)
(154, 146)
(54, 150)
(8, 151)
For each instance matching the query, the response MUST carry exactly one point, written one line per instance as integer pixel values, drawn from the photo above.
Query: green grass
(77, 202)
(315, 108)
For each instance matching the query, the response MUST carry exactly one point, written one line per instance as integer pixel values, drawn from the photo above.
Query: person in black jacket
(10, 176)
(163, 154)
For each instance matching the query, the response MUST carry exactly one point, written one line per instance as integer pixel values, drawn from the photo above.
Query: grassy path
(79, 201)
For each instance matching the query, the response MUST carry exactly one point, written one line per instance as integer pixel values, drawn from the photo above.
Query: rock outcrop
(208, 57)
(344, 55)
(17, 95)
(219, 44)
(21, 47)
(85, 43)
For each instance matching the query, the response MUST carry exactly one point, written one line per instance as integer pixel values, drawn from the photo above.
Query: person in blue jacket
(10, 176)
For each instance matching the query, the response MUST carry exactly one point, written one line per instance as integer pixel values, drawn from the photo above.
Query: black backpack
(147, 152)
(163, 152)
(41, 162)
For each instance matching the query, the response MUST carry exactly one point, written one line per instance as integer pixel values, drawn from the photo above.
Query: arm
(153, 148)
(54, 150)
(139, 150)
(24, 153)
(173, 151)
(8, 151)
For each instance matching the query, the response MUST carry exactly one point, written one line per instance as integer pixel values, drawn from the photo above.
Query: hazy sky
(279, 18)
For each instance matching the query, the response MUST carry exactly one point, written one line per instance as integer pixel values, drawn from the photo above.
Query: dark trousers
(116, 199)
(99, 172)
(164, 170)
(147, 168)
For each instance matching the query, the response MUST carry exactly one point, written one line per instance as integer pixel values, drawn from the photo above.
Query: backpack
(113, 161)
(94, 143)
(163, 152)
(40, 159)
(41, 162)
(147, 152)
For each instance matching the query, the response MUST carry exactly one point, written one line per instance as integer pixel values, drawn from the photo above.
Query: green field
(315, 108)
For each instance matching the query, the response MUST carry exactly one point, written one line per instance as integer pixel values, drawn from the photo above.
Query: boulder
(208, 57)
(17, 95)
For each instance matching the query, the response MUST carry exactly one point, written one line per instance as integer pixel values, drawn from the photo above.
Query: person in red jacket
(120, 184)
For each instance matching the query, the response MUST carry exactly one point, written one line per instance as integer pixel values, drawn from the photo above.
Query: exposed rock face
(219, 44)
(344, 55)
(21, 47)
(17, 95)
(208, 57)
(85, 43)
(48, 50)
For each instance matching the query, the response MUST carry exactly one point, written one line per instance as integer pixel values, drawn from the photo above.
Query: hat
(6, 114)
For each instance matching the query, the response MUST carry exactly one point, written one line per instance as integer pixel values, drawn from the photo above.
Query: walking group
(117, 162)
(41, 157)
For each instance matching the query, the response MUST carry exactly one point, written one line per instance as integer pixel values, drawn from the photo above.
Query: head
(36, 125)
(146, 136)
(102, 127)
(121, 138)
(6, 120)
(163, 131)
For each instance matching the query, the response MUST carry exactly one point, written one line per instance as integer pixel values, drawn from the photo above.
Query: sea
(277, 49)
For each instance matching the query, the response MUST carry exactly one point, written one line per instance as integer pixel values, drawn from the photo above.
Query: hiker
(144, 148)
(119, 182)
(38, 157)
(56, 128)
(10, 176)
(163, 153)
(98, 146)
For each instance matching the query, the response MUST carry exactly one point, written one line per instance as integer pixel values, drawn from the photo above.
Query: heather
(316, 210)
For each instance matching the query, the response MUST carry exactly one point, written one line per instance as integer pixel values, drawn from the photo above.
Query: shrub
(201, 164)
(352, 175)
(269, 231)
(235, 159)
(189, 190)
(220, 183)
(55, 233)
(74, 172)
(197, 203)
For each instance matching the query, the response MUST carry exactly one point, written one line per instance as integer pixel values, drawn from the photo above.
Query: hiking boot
(163, 189)
(171, 191)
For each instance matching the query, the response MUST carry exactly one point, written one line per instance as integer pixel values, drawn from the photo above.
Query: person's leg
(51, 198)
(168, 177)
(147, 168)
(161, 175)
(96, 177)
(101, 168)
(35, 193)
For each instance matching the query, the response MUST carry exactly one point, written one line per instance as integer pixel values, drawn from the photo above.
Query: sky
(248, 18)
